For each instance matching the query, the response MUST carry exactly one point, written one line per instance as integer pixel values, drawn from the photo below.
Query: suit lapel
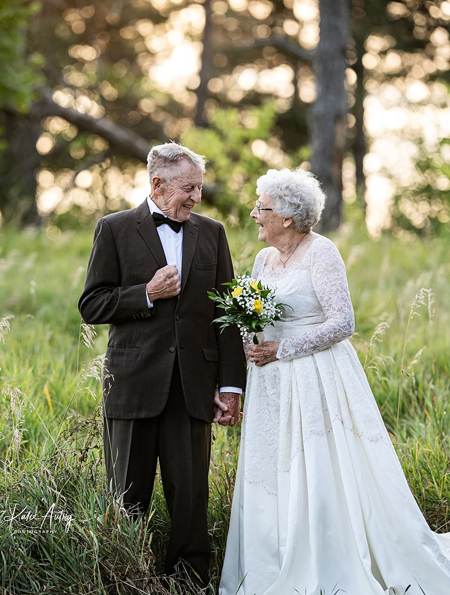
(147, 229)
(190, 233)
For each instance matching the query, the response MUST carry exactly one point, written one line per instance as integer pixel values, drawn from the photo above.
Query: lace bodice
(316, 289)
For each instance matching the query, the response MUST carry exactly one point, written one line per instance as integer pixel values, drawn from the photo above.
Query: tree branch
(123, 139)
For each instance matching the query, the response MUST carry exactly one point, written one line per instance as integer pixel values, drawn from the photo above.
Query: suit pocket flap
(211, 354)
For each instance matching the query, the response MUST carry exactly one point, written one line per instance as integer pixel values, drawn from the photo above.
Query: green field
(50, 423)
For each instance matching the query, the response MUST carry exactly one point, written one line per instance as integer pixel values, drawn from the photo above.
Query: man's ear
(287, 222)
(156, 184)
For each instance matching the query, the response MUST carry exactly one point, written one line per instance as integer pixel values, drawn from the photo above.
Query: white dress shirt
(172, 243)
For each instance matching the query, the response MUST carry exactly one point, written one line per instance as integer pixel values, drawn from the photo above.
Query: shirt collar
(153, 207)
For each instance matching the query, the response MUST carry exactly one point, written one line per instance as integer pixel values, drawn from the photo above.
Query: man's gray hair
(162, 157)
(296, 194)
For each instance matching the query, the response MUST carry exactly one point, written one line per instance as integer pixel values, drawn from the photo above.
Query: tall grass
(50, 417)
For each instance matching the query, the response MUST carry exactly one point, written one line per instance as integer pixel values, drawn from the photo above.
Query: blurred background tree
(19, 75)
(357, 91)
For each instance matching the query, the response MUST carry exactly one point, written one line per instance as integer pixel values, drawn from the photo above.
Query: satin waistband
(291, 328)
(307, 321)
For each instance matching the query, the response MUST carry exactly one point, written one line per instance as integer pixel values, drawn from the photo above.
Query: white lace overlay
(290, 401)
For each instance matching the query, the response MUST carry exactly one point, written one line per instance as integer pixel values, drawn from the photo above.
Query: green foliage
(424, 206)
(233, 167)
(100, 57)
(50, 419)
(18, 73)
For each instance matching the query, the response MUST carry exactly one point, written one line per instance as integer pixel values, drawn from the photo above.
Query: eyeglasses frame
(263, 208)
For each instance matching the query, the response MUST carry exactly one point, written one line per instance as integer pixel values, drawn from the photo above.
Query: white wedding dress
(321, 504)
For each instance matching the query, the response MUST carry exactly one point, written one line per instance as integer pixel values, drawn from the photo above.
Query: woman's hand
(263, 354)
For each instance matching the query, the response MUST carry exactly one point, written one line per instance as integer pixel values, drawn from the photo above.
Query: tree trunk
(18, 198)
(125, 140)
(359, 143)
(206, 67)
(329, 112)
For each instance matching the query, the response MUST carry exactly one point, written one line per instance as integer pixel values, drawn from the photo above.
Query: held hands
(263, 354)
(164, 284)
(227, 408)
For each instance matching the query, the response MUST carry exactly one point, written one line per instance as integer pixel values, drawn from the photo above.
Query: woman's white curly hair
(296, 194)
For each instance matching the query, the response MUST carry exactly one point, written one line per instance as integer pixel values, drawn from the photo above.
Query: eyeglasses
(260, 208)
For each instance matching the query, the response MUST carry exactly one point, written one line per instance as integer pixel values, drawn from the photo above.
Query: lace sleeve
(259, 262)
(330, 284)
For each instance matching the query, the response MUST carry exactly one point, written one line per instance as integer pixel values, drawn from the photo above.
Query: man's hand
(220, 409)
(227, 411)
(263, 354)
(164, 284)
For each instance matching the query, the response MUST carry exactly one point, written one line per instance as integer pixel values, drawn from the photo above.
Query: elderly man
(148, 277)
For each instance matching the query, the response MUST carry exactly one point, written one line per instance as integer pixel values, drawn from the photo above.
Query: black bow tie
(161, 220)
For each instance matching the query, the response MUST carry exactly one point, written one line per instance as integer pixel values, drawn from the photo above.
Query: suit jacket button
(177, 318)
(172, 349)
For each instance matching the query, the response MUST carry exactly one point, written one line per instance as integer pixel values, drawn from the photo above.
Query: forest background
(358, 92)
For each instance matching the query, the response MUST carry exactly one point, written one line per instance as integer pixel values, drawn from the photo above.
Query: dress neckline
(291, 264)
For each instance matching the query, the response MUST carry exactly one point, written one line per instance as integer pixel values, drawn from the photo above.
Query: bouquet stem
(258, 338)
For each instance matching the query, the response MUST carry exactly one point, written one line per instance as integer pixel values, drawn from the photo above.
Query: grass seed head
(88, 334)
(4, 327)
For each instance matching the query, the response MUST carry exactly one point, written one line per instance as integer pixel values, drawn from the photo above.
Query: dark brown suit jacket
(143, 343)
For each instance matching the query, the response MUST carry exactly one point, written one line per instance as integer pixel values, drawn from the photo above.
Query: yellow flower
(236, 292)
(258, 306)
(255, 286)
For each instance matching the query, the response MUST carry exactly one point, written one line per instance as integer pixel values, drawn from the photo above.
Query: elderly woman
(321, 504)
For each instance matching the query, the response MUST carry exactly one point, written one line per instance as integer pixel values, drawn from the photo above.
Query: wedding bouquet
(248, 304)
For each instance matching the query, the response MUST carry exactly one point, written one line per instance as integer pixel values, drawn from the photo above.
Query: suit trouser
(182, 444)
